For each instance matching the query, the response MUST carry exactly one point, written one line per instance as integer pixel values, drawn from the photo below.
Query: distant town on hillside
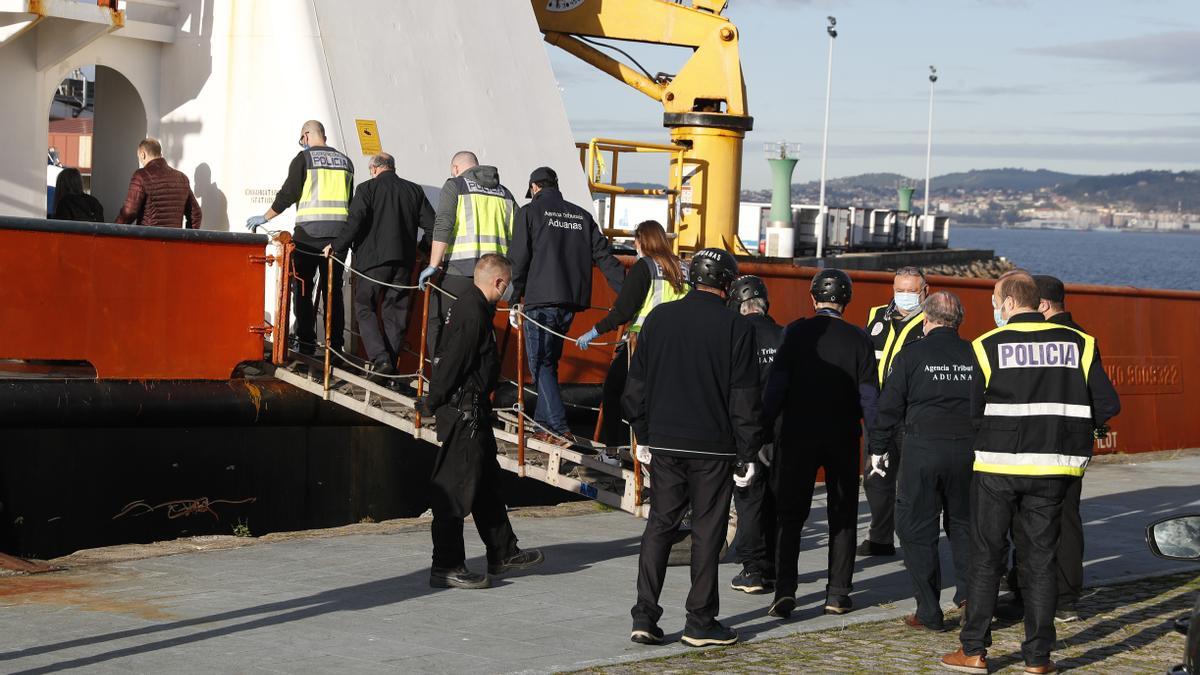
(1149, 200)
(1152, 200)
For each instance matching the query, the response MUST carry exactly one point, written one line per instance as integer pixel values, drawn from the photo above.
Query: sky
(1082, 86)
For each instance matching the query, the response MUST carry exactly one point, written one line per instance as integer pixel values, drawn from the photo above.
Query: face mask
(997, 316)
(303, 145)
(907, 302)
(506, 296)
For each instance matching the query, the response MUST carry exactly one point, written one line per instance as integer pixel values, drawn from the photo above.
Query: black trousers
(705, 485)
(934, 486)
(881, 493)
(1069, 559)
(313, 271)
(997, 503)
(613, 429)
(793, 480)
(754, 542)
(382, 312)
(487, 509)
(439, 306)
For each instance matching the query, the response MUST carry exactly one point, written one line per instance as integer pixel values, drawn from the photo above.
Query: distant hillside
(1021, 180)
(1160, 190)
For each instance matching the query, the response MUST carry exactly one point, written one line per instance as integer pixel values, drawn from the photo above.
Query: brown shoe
(1050, 667)
(965, 664)
(913, 622)
(547, 437)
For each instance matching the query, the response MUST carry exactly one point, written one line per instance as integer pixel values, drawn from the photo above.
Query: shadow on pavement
(560, 559)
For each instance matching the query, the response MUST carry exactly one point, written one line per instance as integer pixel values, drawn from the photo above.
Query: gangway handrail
(631, 500)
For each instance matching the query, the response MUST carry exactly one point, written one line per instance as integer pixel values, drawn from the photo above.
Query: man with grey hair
(928, 395)
(891, 327)
(474, 217)
(382, 230)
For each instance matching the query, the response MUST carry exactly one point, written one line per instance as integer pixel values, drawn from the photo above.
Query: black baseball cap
(1050, 288)
(542, 173)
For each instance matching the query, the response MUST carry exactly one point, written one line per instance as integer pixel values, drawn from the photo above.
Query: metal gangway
(609, 475)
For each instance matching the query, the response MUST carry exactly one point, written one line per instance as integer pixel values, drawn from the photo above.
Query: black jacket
(1042, 392)
(633, 294)
(768, 335)
(692, 390)
(467, 361)
(81, 207)
(928, 391)
(823, 381)
(553, 247)
(384, 216)
(1065, 319)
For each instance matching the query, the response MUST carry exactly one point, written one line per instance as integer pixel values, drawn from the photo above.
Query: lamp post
(929, 143)
(821, 215)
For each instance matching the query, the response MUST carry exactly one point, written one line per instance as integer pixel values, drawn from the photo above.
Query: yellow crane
(704, 104)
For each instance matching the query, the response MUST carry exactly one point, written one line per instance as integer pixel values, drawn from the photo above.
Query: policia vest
(483, 223)
(887, 339)
(324, 204)
(660, 291)
(1037, 417)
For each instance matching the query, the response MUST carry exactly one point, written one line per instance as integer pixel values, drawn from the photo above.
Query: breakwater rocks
(979, 269)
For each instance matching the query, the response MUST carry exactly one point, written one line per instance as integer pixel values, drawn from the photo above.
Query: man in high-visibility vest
(319, 182)
(1038, 398)
(474, 217)
(890, 327)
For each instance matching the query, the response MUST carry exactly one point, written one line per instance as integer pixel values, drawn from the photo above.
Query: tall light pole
(821, 215)
(929, 143)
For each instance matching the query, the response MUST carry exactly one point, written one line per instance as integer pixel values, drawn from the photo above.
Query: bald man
(466, 476)
(474, 217)
(320, 181)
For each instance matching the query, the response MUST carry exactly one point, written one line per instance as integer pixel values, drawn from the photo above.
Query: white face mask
(998, 315)
(506, 296)
(907, 302)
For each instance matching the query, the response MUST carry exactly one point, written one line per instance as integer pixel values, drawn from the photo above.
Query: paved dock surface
(362, 603)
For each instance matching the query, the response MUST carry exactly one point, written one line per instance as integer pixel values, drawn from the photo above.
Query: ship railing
(280, 356)
(591, 156)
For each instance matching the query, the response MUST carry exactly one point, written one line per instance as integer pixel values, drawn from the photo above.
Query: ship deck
(361, 602)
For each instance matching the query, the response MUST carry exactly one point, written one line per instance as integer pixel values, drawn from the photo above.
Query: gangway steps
(564, 468)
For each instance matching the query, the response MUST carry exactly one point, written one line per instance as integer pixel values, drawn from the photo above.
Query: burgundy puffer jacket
(160, 196)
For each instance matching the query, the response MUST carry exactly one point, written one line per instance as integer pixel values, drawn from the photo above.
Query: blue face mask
(303, 145)
(997, 316)
(907, 302)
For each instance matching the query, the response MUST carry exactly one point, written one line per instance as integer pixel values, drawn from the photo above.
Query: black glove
(1100, 432)
(423, 407)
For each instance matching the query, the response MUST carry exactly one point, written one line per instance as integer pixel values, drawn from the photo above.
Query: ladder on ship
(615, 481)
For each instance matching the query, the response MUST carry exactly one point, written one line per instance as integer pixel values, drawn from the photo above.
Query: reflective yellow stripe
(1089, 344)
(981, 356)
(325, 196)
(483, 224)
(1029, 469)
(660, 291)
(888, 354)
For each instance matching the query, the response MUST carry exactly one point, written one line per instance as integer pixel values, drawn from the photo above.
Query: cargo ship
(147, 389)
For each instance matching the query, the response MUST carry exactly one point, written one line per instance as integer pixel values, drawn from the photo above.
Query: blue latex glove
(425, 276)
(586, 339)
(255, 222)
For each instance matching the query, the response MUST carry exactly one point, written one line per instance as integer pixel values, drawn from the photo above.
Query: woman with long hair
(656, 277)
(71, 202)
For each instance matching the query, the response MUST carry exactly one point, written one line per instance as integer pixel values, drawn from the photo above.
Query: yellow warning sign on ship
(368, 137)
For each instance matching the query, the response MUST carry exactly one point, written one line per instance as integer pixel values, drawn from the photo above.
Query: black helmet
(714, 267)
(747, 287)
(831, 285)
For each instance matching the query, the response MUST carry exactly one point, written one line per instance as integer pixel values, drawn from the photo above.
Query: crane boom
(704, 105)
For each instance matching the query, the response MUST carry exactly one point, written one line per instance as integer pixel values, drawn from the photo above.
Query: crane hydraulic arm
(704, 105)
